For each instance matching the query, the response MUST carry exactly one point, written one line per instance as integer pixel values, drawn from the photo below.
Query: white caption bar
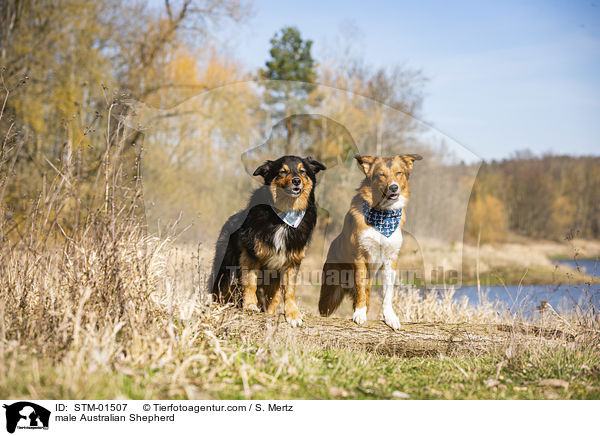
(149, 417)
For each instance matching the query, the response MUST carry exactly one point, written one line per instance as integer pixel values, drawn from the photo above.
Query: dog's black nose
(394, 188)
(296, 181)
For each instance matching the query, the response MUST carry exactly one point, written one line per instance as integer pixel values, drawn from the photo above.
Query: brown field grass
(128, 316)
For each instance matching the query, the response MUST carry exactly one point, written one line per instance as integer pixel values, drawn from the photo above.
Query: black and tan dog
(263, 245)
(370, 239)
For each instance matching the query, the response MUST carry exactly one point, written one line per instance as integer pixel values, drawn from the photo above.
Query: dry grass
(127, 318)
(70, 330)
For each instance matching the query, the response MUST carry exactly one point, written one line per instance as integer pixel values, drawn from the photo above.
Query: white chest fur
(381, 250)
(277, 259)
(279, 238)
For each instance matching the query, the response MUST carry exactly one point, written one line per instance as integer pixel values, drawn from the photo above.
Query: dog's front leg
(292, 314)
(361, 298)
(249, 283)
(389, 279)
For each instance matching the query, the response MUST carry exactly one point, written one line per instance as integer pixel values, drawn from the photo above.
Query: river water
(525, 299)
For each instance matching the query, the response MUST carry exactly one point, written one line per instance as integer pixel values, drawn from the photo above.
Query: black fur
(258, 221)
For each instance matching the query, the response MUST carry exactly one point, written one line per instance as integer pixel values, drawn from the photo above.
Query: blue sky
(504, 76)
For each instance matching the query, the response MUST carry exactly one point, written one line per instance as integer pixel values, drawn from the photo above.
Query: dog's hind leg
(275, 301)
(273, 295)
(249, 282)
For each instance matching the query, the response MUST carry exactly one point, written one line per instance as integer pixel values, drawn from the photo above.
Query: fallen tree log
(413, 339)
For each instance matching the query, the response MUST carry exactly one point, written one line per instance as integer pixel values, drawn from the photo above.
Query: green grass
(335, 374)
(347, 374)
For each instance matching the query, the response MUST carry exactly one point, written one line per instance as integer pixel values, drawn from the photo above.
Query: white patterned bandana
(384, 221)
(292, 218)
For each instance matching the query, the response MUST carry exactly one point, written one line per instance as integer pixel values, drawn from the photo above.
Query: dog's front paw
(252, 307)
(391, 319)
(360, 315)
(293, 317)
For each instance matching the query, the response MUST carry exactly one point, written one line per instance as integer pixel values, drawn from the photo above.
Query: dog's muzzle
(295, 189)
(392, 192)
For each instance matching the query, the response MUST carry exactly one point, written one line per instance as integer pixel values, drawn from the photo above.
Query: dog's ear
(409, 160)
(315, 165)
(366, 162)
(264, 169)
(412, 157)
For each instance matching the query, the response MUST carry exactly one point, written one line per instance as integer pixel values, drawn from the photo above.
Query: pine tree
(293, 67)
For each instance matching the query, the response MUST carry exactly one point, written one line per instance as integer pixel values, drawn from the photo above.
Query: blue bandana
(384, 221)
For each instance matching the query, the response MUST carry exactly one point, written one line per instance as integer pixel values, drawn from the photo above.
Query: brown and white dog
(370, 239)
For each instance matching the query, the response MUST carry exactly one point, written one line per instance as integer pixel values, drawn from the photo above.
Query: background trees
(553, 197)
(67, 64)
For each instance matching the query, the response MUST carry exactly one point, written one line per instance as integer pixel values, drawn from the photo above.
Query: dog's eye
(399, 173)
(302, 171)
(382, 175)
(283, 171)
